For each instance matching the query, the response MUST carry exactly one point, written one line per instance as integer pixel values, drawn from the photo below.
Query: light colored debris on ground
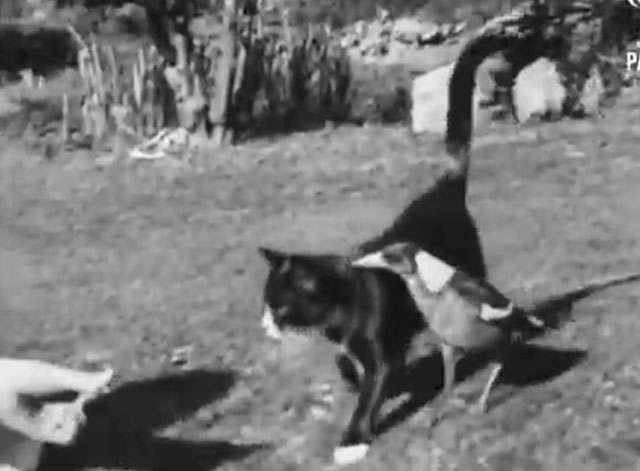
(174, 143)
(181, 356)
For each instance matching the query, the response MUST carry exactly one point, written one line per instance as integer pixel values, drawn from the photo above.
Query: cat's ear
(272, 256)
(399, 254)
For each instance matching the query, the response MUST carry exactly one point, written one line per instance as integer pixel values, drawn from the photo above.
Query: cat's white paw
(345, 455)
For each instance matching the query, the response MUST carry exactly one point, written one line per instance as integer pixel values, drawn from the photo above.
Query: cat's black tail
(461, 109)
(501, 33)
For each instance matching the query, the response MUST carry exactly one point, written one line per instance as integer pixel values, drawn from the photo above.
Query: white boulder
(430, 101)
(538, 91)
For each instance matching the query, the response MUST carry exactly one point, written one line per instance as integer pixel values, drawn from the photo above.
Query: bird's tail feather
(554, 311)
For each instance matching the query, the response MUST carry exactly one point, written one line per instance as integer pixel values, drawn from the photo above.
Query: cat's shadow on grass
(122, 426)
(531, 364)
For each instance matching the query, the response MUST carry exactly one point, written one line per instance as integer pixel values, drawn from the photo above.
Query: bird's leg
(481, 406)
(449, 360)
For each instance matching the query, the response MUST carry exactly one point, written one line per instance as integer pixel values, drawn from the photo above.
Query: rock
(430, 101)
(491, 75)
(538, 91)
(405, 32)
(591, 93)
(410, 28)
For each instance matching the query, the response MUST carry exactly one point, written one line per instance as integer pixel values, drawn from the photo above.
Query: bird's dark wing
(478, 291)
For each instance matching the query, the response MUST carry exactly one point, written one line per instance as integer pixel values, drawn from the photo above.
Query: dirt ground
(126, 263)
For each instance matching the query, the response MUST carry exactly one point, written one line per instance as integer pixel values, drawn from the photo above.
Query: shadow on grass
(121, 426)
(529, 364)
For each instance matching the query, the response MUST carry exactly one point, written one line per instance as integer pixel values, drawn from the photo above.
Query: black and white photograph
(319, 235)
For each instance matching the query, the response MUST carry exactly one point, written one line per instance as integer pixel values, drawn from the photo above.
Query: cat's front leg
(357, 438)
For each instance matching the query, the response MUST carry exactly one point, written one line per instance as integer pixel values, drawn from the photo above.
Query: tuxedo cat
(369, 313)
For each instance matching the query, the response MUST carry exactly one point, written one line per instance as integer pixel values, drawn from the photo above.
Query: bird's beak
(372, 260)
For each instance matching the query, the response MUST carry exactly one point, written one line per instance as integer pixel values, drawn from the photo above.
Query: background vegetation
(378, 92)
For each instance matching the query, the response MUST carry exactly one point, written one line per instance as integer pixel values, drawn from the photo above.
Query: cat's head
(302, 292)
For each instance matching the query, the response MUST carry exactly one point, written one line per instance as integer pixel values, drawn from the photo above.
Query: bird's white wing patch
(433, 272)
(489, 313)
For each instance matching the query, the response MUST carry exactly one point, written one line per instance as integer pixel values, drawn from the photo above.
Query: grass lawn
(131, 261)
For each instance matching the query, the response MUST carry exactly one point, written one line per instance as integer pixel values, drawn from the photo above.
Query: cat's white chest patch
(489, 313)
(269, 325)
(433, 272)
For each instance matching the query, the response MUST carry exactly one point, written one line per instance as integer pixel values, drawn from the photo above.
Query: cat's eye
(392, 258)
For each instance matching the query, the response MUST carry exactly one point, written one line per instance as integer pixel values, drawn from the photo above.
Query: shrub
(45, 50)
(380, 94)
